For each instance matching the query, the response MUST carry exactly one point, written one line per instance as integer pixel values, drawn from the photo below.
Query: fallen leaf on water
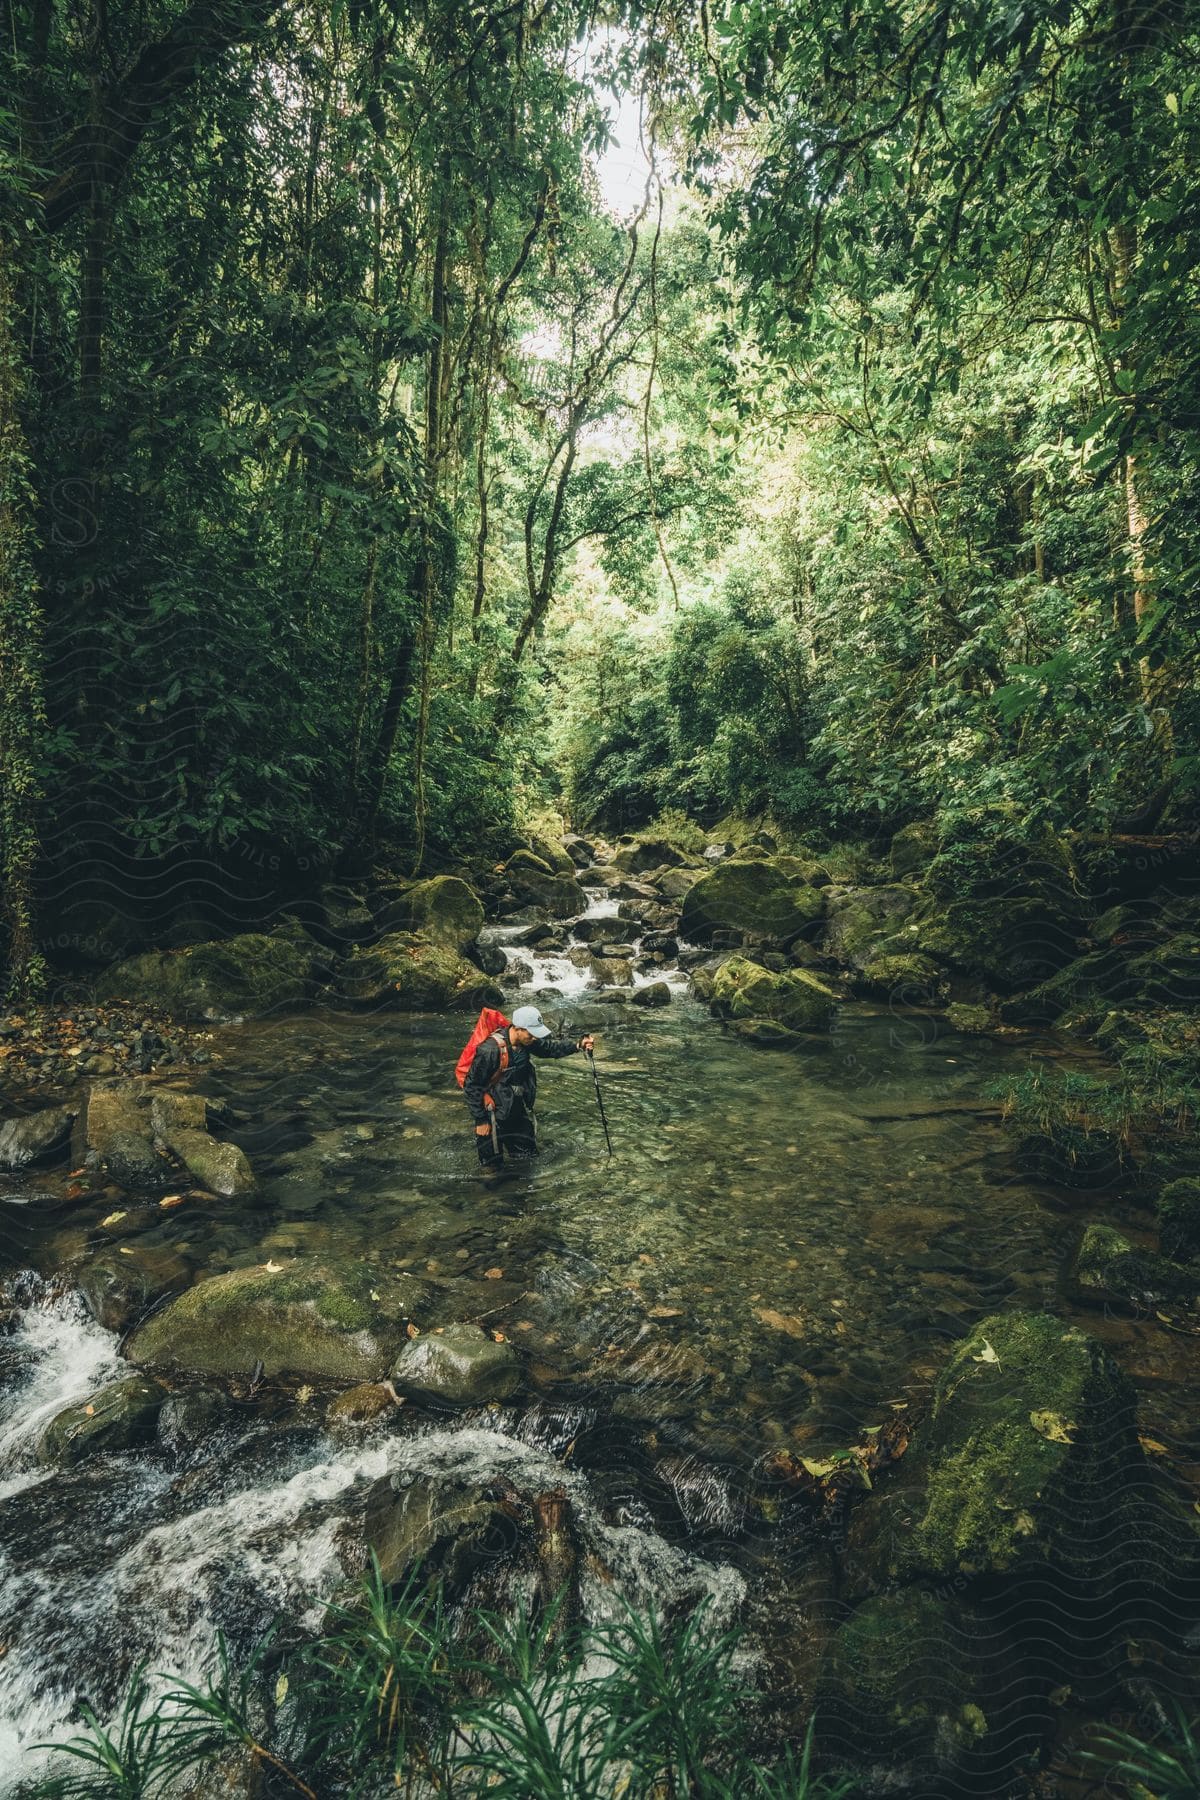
(374, 1295)
(171, 1200)
(412, 1331)
(524, 1324)
(75, 1172)
(114, 1218)
(272, 1268)
(1153, 1446)
(90, 1411)
(666, 1312)
(1053, 1427)
(125, 1250)
(281, 1688)
(493, 1274)
(987, 1355)
(499, 1337)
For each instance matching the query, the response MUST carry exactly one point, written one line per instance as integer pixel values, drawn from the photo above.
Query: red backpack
(489, 1021)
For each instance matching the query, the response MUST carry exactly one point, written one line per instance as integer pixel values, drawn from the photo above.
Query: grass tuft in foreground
(393, 1700)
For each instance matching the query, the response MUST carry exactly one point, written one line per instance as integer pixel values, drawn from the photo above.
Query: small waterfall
(149, 1567)
(58, 1354)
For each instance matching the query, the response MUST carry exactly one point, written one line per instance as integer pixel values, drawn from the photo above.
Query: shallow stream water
(776, 1256)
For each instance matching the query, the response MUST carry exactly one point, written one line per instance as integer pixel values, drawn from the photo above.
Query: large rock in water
(647, 853)
(116, 1417)
(460, 1366)
(756, 897)
(416, 974)
(116, 1124)
(920, 1694)
(793, 998)
(27, 1139)
(258, 972)
(446, 910)
(303, 1320)
(1027, 1460)
(446, 1527)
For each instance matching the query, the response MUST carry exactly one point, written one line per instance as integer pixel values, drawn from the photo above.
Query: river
(776, 1256)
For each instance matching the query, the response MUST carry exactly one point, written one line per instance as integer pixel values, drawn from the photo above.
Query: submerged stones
(124, 1126)
(300, 1319)
(458, 1366)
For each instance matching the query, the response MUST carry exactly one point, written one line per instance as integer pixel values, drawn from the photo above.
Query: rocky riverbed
(817, 1340)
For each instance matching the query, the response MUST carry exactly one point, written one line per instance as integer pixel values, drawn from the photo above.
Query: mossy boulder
(300, 1319)
(904, 978)
(458, 1366)
(1007, 943)
(445, 909)
(757, 897)
(1179, 1219)
(648, 852)
(535, 883)
(863, 924)
(416, 974)
(117, 1417)
(915, 1695)
(1108, 1267)
(254, 973)
(914, 847)
(971, 1020)
(221, 1168)
(793, 998)
(1025, 1455)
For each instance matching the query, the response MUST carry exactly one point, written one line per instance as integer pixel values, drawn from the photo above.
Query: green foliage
(1167, 1765)
(396, 1693)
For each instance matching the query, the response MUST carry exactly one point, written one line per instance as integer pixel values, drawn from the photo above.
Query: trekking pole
(600, 1101)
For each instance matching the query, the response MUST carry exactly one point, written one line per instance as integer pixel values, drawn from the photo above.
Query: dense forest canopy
(369, 482)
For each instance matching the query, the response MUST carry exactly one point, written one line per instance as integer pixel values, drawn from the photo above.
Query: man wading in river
(501, 1085)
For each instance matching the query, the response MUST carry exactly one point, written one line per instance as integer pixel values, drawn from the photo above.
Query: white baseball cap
(528, 1018)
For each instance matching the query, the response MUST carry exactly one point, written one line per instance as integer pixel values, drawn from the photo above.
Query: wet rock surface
(461, 1365)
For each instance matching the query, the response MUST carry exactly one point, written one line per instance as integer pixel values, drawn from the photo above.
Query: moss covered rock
(648, 852)
(1008, 942)
(914, 1695)
(905, 978)
(1109, 1267)
(117, 1417)
(416, 974)
(1179, 1219)
(756, 897)
(221, 1168)
(445, 909)
(1026, 1452)
(257, 972)
(790, 997)
(459, 1366)
(865, 923)
(302, 1319)
(914, 847)
(535, 883)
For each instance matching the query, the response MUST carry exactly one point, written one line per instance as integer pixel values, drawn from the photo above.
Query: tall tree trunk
(22, 695)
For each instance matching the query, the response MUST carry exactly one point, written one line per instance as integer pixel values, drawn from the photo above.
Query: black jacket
(519, 1080)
